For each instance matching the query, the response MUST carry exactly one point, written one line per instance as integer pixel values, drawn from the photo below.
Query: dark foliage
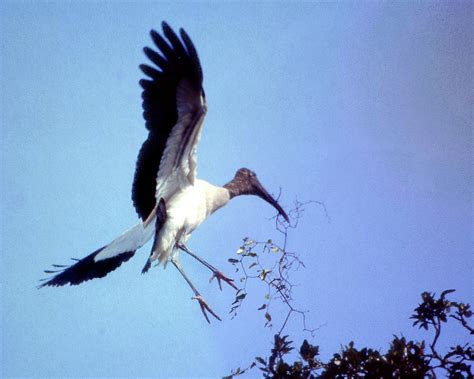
(404, 359)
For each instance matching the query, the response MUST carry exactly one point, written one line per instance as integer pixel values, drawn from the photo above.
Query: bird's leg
(197, 295)
(215, 272)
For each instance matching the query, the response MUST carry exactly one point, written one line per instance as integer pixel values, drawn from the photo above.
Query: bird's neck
(216, 197)
(231, 188)
(236, 188)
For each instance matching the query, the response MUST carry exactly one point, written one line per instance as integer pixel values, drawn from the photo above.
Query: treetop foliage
(404, 359)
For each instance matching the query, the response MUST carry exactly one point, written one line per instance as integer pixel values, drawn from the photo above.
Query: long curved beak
(261, 192)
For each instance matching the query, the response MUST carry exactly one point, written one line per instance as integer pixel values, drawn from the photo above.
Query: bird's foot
(220, 276)
(205, 307)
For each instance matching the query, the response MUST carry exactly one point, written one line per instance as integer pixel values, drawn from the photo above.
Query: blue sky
(366, 107)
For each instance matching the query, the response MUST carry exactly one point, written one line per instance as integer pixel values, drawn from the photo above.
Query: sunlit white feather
(186, 210)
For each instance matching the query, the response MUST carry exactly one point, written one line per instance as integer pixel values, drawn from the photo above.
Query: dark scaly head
(245, 182)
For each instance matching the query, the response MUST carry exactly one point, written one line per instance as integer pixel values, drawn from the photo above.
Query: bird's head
(245, 182)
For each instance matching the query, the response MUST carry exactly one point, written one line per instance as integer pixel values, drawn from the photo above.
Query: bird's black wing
(175, 63)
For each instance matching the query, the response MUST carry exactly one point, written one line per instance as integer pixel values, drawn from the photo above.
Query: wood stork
(170, 201)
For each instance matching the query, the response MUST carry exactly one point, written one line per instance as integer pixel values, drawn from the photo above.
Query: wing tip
(153, 33)
(165, 26)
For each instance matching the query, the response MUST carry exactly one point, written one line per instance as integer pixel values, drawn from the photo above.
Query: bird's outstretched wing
(173, 107)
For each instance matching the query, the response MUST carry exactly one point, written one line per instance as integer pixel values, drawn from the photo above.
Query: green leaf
(444, 293)
(248, 241)
(275, 249)
(264, 273)
(241, 296)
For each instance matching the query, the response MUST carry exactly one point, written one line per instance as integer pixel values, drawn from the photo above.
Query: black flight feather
(156, 58)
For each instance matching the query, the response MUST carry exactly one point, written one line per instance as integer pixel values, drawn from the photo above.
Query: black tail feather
(160, 220)
(147, 266)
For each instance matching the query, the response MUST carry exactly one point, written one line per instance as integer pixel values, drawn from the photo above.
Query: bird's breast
(189, 207)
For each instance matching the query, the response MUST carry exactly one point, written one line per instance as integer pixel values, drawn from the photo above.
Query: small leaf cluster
(433, 313)
(276, 367)
(432, 310)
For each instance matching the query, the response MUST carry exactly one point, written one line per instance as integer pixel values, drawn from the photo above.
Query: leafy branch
(272, 264)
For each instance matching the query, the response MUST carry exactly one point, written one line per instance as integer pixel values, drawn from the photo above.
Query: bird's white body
(185, 211)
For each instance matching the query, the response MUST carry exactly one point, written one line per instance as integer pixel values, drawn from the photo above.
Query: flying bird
(169, 199)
